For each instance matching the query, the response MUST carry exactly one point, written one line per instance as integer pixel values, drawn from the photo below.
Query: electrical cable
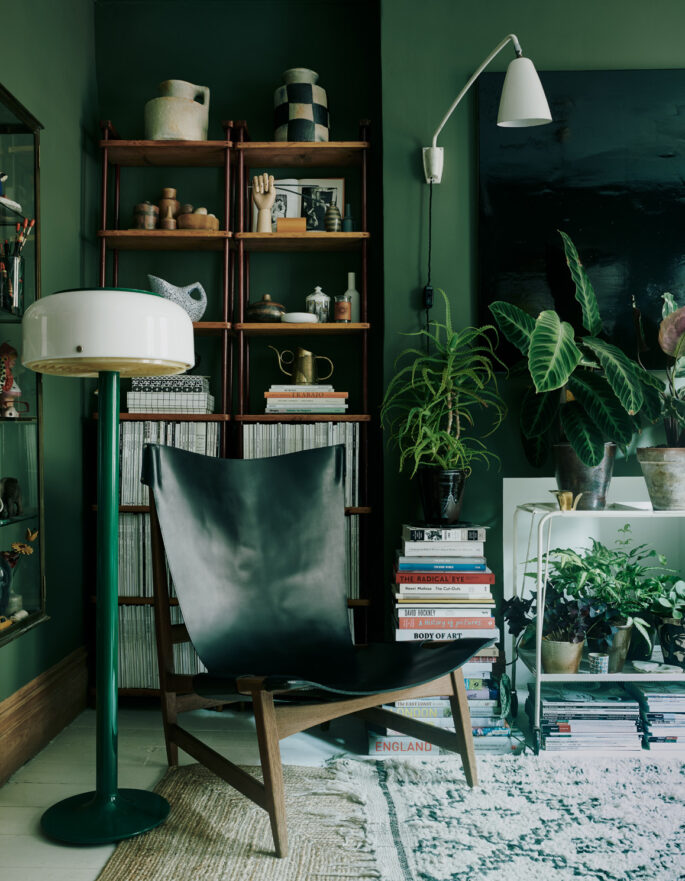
(428, 289)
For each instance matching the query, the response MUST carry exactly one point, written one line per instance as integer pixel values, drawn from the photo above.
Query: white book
(445, 611)
(444, 548)
(427, 635)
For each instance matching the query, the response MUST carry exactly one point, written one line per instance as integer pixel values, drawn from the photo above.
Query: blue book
(441, 564)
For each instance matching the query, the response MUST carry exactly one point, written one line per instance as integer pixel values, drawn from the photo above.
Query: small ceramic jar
(145, 216)
(265, 310)
(319, 304)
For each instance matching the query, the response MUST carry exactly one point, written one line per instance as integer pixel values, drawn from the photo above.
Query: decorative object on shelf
(197, 219)
(192, 297)
(664, 467)
(186, 209)
(319, 304)
(264, 198)
(145, 216)
(669, 615)
(567, 501)
(599, 662)
(12, 284)
(10, 496)
(8, 563)
(433, 400)
(332, 219)
(342, 310)
(347, 222)
(265, 310)
(169, 208)
(318, 195)
(299, 318)
(10, 405)
(583, 389)
(300, 107)
(83, 333)
(177, 114)
(291, 224)
(8, 358)
(355, 300)
(303, 362)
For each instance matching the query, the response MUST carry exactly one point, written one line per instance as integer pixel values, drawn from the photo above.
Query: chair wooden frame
(274, 722)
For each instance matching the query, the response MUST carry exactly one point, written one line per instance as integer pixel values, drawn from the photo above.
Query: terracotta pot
(593, 482)
(664, 472)
(561, 657)
(442, 493)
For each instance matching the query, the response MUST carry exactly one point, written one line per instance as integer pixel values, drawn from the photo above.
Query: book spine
(310, 394)
(407, 579)
(449, 549)
(442, 534)
(383, 744)
(446, 611)
(436, 623)
(444, 635)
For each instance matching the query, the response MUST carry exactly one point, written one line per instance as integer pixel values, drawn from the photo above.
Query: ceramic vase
(442, 493)
(177, 115)
(664, 472)
(561, 657)
(593, 482)
(300, 107)
(192, 297)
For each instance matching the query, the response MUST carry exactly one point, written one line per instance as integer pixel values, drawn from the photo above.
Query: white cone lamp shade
(84, 332)
(523, 102)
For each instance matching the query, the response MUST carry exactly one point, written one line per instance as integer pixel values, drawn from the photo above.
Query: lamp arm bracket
(517, 48)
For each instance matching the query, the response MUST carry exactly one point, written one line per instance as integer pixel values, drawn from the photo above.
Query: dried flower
(22, 548)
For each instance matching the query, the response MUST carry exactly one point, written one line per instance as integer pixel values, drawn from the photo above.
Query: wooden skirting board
(36, 713)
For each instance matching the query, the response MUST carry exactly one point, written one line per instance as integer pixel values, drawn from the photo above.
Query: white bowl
(299, 318)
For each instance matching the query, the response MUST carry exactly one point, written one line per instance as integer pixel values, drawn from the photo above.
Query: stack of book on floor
(662, 706)
(316, 399)
(170, 394)
(596, 716)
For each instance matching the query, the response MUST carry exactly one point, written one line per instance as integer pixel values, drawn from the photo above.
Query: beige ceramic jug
(177, 115)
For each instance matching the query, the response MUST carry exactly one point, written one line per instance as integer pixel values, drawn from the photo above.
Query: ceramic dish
(300, 318)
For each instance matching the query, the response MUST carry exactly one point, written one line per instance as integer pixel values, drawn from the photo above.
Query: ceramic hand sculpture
(264, 196)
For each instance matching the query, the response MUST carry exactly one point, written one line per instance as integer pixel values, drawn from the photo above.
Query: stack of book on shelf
(443, 591)
(313, 399)
(170, 394)
(595, 716)
(662, 707)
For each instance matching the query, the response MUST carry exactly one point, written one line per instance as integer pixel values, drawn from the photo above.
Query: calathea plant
(583, 389)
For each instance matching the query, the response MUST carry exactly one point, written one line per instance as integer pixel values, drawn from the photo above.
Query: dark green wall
(48, 64)
(429, 50)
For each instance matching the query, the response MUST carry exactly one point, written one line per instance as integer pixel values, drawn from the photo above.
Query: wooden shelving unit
(301, 241)
(295, 329)
(164, 239)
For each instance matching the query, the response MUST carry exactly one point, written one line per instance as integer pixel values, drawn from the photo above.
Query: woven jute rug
(620, 819)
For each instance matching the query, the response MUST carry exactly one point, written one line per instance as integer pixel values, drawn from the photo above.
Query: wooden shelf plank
(358, 603)
(210, 327)
(275, 328)
(196, 154)
(174, 417)
(301, 241)
(166, 239)
(364, 509)
(297, 154)
(301, 417)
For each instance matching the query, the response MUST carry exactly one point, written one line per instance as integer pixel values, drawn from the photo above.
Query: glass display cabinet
(22, 580)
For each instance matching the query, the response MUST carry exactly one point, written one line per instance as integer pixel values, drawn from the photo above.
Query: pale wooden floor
(66, 767)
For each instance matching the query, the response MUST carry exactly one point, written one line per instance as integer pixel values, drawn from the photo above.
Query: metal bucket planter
(561, 657)
(618, 650)
(442, 493)
(664, 472)
(593, 482)
(672, 638)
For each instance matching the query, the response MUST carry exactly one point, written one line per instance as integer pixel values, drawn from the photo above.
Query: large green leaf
(600, 403)
(515, 324)
(585, 293)
(537, 448)
(582, 433)
(553, 354)
(538, 412)
(621, 373)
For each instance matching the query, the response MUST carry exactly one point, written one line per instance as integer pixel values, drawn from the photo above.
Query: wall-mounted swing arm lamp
(523, 103)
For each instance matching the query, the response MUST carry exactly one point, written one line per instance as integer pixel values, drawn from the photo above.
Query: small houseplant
(664, 467)
(431, 405)
(8, 563)
(669, 612)
(584, 392)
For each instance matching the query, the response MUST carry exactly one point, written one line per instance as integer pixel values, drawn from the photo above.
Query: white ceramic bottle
(353, 294)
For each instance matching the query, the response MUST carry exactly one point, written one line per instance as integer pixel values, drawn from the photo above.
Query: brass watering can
(304, 370)
(566, 500)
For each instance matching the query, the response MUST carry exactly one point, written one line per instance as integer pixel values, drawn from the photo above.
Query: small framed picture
(286, 204)
(317, 196)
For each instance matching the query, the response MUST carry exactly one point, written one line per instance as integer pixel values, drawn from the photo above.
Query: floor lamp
(106, 333)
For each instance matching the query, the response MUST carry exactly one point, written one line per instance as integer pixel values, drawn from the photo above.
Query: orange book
(306, 394)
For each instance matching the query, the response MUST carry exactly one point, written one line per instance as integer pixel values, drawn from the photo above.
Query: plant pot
(672, 638)
(442, 493)
(618, 650)
(639, 650)
(592, 481)
(664, 473)
(561, 657)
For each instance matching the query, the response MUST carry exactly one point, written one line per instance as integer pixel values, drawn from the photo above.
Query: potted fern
(584, 392)
(430, 408)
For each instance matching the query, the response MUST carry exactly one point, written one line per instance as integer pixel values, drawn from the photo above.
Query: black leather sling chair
(256, 552)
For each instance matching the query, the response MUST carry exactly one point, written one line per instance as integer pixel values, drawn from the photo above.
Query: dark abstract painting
(610, 171)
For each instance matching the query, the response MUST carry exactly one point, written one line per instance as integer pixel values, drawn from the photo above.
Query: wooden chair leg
(462, 727)
(169, 717)
(270, 756)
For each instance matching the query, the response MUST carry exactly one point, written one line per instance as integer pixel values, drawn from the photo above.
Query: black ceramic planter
(593, 482)
(442, 493)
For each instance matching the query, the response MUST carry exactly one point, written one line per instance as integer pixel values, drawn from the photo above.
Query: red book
(406, 577)
(446, 623)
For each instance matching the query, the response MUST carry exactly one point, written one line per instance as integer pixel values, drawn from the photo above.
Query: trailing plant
(583, 389)
(431, 404)
(565, 618)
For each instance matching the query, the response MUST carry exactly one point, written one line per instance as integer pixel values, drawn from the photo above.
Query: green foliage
(431, 403)
(603, 388)
(672, 603)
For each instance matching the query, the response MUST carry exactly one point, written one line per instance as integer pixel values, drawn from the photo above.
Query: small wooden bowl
(197, 221)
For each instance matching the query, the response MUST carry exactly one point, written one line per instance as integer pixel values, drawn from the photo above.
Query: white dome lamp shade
(106, 332)
(523, 102)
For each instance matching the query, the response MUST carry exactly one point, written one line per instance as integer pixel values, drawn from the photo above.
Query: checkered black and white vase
(300, 107)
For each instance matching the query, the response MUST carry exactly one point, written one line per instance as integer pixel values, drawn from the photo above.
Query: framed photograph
(316, 196)
(287, 203)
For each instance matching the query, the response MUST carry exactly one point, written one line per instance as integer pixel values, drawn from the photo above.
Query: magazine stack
(595, 716)
(662, 708)
(443, 591)
(313, 399)
(170, 394)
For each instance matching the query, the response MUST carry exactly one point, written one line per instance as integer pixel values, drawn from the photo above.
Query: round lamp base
(91, 819)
